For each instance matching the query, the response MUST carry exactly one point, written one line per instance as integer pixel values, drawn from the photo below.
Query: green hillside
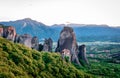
(18, 61)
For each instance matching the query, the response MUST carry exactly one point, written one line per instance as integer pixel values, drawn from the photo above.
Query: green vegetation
(103, 52)
(18, 61)
(101, 64)
(102, 69)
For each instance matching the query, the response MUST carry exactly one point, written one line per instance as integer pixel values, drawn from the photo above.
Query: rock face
(25, 39)
(66, 54)
(47, 46)
(9, 33)
(1, 31)
(28, 41)
(35, 43)
(82, 54)
(17, 38)
(67, 40)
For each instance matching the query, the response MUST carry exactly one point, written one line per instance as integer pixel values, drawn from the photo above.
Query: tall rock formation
(9, 33)
(1, 31)
(67, 40)
(35, 43)
(25, 39)
(17, 38)
(82, 54)
(47, 46)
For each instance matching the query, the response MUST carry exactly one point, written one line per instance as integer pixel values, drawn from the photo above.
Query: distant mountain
(84, 32)
(32, 27)
(97, 33)
(93, 32)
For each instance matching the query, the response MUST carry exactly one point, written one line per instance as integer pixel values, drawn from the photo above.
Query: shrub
(18, 61)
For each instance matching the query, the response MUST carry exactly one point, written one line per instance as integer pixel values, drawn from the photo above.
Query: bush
(16, 61)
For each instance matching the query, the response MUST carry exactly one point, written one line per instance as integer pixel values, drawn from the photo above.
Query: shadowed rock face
(82, 54)
(67, 40)
(9, 33)
(40, 47)
(17, 38)
(47, 46)
(35, 43)
(25, 39)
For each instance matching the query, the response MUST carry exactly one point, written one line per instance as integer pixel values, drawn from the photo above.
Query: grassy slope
(16, 60)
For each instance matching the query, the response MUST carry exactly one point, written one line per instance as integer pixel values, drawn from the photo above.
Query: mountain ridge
(84, 32)
(62, 24)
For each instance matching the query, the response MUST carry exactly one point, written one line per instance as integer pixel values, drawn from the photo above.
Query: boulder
(67, 40)
(82, 54)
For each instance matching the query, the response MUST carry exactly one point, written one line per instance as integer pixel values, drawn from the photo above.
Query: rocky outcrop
(1, 31)
(67, 40)
(47, 46)
(25, 39)
(82, 54)
(9, 33)
(35, 43)
(17, 38)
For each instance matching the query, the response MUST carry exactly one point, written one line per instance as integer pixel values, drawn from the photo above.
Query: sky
(61, 11)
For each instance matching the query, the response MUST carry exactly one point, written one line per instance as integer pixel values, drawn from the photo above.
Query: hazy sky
(60, 11)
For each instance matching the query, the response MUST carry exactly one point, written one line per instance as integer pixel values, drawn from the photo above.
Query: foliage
(101, 63)
(18, 61)
(103, 70)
